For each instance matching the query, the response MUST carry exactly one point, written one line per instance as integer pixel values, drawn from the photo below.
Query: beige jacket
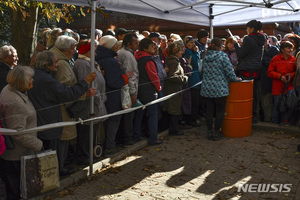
(19, 114)
(66, 76)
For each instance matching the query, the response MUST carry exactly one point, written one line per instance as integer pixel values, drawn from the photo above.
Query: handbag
(282, 101)
(8, 139)
(292, 100)
(39, 173)
(75, 109)
(125, 97)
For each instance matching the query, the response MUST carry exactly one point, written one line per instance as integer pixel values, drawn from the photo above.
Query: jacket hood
(259, 38)
(212, 55)
(103, 52)
(139, 54)
(171, 57)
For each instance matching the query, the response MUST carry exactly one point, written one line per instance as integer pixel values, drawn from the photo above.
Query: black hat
(121, 31)
(202, 33)
(155, 34)
(110, 32)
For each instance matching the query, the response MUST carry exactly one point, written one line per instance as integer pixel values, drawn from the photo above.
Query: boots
(217, 135)
(210, 134)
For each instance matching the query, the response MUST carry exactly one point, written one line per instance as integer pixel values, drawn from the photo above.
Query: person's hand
(129, 74)
(239, 79)
(195, 47)
(188, 60)
(90, 92)
(133, 99)
(288, 77)
(167, 69)
(283, 79)
(90, 77)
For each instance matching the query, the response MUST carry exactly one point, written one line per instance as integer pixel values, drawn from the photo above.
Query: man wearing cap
(128, 63)
(120, 33)
(156, 37)
(201, 43)
(114, 79)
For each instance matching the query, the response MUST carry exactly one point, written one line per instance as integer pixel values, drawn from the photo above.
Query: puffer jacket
(280, 66)
(217, 73)
(250, 53)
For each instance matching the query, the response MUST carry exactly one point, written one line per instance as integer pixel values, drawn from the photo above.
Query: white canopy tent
(198, 12)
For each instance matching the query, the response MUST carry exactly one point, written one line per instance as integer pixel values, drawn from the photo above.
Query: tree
(25, 16)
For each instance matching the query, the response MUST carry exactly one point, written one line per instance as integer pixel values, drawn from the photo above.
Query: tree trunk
(23, 33)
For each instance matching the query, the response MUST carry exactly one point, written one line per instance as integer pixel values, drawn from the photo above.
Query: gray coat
(82, 69)
(19, 114)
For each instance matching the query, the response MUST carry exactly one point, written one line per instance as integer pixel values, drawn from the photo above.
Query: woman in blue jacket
(217, 72)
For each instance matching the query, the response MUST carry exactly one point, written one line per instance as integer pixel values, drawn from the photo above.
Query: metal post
(93, 25)
(211, 18)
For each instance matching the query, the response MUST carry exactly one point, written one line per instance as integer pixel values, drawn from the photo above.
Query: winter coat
(149, 83)
(265, 80)
(19, 114)
(46, 95)
(250, 53)
(195, 62)
(217, 73)
(82, 68)
(4, 69)
(113, 78)
(173, 84)
(280, 66)
(128, 64)
(66, 76)
(297, 79)
(161, 72)
(201, 48)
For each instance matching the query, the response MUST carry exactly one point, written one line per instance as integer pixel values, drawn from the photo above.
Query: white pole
(211, 18)
(93, 25)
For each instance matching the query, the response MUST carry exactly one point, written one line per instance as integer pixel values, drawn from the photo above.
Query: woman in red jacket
(282, 70)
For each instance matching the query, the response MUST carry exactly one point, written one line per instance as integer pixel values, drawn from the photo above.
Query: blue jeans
(152, 111)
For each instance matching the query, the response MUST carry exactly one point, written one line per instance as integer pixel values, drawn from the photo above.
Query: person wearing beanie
(115, 79)
(201, 42)
(81, 70)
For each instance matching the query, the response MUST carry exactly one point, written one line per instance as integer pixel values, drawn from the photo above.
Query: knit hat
(83, 48)
(187, 39)
(202, 33)
(108, 41)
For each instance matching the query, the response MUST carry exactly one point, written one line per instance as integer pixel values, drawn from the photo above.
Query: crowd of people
(56, 87)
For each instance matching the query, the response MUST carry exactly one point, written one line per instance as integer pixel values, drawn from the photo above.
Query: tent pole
(93, 25)
(211, 18)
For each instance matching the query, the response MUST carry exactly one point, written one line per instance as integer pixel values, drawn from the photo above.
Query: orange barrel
(238, 113)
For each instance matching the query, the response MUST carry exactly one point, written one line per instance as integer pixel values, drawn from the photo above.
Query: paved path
(192, 167)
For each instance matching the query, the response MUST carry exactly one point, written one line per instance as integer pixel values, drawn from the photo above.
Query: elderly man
(64, 48)
(128, 63)
(8, 59)
(46, 96)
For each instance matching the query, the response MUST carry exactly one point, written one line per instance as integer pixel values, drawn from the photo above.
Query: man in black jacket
(8, 59)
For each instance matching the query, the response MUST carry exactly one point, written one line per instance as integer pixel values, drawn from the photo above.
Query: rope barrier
(5, 131)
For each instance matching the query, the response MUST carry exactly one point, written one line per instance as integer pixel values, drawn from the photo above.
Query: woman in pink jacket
(282, 70)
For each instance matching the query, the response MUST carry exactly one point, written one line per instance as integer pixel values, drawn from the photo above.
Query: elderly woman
(64, 48)
(282, 70)
(19, 114)
(192, 52)
(174, 82)
(230, 51)
(46, 96)
(82, 67)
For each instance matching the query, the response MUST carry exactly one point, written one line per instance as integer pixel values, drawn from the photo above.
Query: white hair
(64, 42)
(6, 50)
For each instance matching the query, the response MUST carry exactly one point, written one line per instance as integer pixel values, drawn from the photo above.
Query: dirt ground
(192, 167)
